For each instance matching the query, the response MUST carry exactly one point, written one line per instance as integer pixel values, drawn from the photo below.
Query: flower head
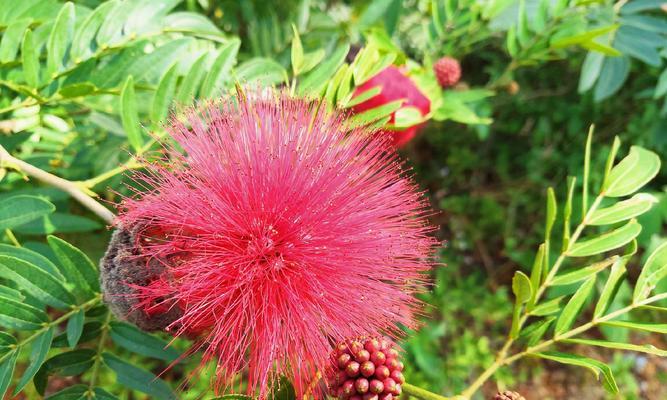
(395, 86)
(447, 71)
(279, 231)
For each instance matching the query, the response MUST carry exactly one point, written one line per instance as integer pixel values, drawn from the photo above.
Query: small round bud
(348, 387)
(370, 396)
(389, 385)
(343, 359)
(340, 393)
(391, 363)
(386, 396)
(385, 344)
(355, 346)
(376, 386)
(378, 358)
(398, 390)
(391, 353)
(361, 384)
(352, 369)
(397, 376)
(341, 377)
(341, 348)
(367, 368)
(362, 356)
(372, 345)
(382, 372)
(400, 366)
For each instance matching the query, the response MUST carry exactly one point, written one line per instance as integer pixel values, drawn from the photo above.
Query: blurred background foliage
(536, 74)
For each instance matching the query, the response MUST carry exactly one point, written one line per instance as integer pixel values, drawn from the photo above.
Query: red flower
(395, 86)
(279, 233)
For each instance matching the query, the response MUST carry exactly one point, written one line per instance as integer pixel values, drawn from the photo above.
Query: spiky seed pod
(508, 395)
(447, 71)
(259, 200)
(122, 269)
(379, 379)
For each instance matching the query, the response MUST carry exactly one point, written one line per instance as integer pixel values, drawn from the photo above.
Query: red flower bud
(376, 386)
(382, 372)
(362, 385)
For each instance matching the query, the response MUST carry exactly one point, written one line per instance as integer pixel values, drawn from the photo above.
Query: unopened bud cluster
(365, 369)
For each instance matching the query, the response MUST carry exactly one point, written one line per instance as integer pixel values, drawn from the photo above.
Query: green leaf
(111, 30)
(606, 242)
(75, 328)
(595, 366)
(633, 172)
(264, 70)
(654, 270)
(140, 342)
(129, 114)
(192, 80)
(137, 378)
(20, 316)
(58, 222)
(534, 332)
(521, 287)
(623, 210)
(611, 286)
(164, 95)
(363, 96)
(511, 42)
(552, 211)
(649, 349)
(612, 76)
(661, 87)
(376, 113)
(17, 210)
(611, 157)
(40, 348)
(32, 257)
(311, 60)
(522, 292)
(580, 274)
(91, 330)
(656, 328)
(6, 372)
(11, 39)
(567, 212)
(85, 34)
(76, 267)
(636, 6)
(548, 307)
(77, 90)
(35, 281)
(30, 59)
(572, 308)
(318, 78)
(587, 168)
(60, 38)
(297, 52)
(220, 70)
(69, 363)
(375, 10)
(583, 37)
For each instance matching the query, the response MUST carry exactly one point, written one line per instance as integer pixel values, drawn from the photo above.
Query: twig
(73, 189)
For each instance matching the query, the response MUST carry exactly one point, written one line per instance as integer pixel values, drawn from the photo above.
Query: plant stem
(502, 359)
(419, 393)
(98, 356)
(74, 190)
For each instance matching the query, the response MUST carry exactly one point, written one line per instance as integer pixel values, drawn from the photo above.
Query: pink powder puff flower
(280, 231)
